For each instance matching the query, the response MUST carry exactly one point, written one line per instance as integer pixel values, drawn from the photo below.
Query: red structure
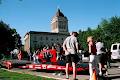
(51, 67)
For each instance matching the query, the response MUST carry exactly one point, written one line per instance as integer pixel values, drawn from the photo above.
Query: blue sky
(36, 15)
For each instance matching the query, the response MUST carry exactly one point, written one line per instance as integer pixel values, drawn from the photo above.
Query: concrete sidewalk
(47, 74)
(114, 73)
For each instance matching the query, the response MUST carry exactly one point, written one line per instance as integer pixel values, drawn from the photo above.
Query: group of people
(70, 47)
(16, 53)
(97, 55)
(48, 54)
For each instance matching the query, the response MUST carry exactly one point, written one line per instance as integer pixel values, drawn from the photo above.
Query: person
(92, 53)
(58, 51)
(35, 57)
(29, 54)
(108, 58)
(70, 46)
(100, 54)
(47, 54)
(20, 55)
(15, 53)
(53, 58)
(104, 61)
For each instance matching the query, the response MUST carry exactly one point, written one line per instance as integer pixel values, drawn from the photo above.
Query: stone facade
(59, 23)
(59, 26)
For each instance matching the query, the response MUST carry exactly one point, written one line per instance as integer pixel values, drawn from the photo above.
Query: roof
(59, 13)
(50, 33)
(38, 32)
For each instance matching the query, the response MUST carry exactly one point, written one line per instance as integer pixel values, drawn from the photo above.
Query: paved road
(114, 73)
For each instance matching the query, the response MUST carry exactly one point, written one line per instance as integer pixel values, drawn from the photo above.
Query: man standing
(70, 46)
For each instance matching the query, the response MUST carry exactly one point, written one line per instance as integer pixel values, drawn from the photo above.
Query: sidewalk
(48, 75)
(114, 73)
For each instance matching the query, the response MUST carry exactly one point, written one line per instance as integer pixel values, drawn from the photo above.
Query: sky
(36, 15)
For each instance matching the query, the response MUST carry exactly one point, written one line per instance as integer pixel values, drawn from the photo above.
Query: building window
(41, 38)
(114, 47)
(35, 44)
(35, 38)
(57, 39)
(46, 38)
(62, 38)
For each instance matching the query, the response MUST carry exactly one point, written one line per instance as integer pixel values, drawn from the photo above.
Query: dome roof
(59, 13)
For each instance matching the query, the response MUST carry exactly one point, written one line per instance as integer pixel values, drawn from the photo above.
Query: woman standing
(92, 52)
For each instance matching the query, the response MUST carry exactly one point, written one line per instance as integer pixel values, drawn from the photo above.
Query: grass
(6, 75)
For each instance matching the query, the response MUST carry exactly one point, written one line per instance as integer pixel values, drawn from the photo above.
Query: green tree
(111, 30)
(9, 38)
(108, 31)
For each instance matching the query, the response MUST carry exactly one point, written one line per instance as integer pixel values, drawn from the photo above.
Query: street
(114, 71)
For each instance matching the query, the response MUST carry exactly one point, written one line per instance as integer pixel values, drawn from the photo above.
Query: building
(59, 31)
(59, 23)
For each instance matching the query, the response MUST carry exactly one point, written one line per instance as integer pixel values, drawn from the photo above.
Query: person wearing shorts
(100, 55)
(92, 52)
(70, 47)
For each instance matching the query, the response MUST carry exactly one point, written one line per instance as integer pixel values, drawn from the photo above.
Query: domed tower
(59, 23)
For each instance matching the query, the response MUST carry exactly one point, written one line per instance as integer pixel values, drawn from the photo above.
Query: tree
(108, 31)
(9, 38)
(111, 30)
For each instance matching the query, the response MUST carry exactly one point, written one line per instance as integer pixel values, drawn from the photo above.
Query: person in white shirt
(100, 54)
(70, 47)
(35, 57)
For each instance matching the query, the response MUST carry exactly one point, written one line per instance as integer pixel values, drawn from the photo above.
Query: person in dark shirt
(92, 51)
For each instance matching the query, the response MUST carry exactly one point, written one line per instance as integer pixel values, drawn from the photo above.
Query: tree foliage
(9, 38)
(108, 31)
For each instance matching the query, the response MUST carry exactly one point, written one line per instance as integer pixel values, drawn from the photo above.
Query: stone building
(59, 31)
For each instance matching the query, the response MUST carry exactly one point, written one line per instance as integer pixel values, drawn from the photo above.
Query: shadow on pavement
(114, 77)
(83, 73)
(115, 73)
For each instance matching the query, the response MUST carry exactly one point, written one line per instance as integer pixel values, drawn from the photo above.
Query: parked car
(115, 50)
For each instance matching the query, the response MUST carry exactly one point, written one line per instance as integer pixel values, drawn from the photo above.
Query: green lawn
(6, 75)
